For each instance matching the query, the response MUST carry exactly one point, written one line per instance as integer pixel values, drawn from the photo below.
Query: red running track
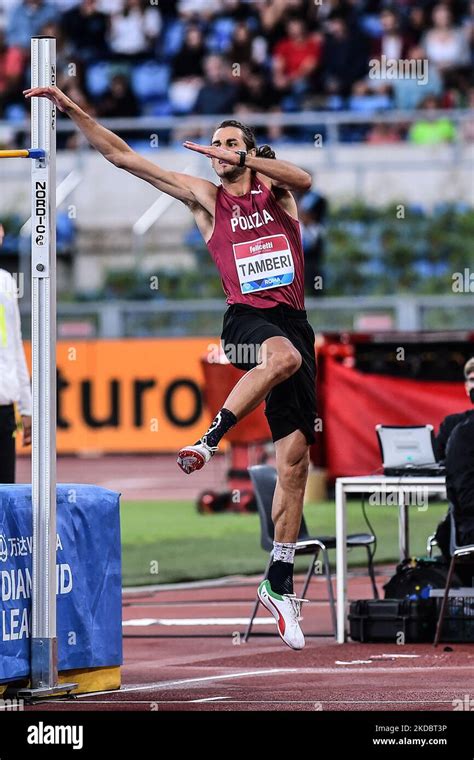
(183, 650)
(140, 476)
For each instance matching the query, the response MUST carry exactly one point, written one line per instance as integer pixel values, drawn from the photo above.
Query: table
(386, 490)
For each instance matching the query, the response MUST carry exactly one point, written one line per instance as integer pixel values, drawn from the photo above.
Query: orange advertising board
(136, 395)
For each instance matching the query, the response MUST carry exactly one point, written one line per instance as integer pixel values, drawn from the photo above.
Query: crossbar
(23, 153)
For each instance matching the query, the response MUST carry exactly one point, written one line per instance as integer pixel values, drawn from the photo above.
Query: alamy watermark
(239, 353)
(12, 705)
(463, 282)
(399, 68)
(465, 702)
(415, 496)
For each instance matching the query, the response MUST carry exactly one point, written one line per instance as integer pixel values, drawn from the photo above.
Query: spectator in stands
(187, 71)
(71, 141)
(449, 423)
(256, 94)
(188, 62)
(310, 69)
(368, 96)
(12, 62)
(245, 47)
(86, 28)
(67, 65)
(256, 91)
(296, 56)
(345, 56)
(468, 126)
(14, 379)
(25, 21)
(392, 44)
(446, 45)
(133, 31)
(108, 7)
(274, 15)
(5, 8)
(189, 9)
(119, 100)
(384, 134)
(416, 23)
(431, 130)
(468, 26)
(218, 94)
(408, 92)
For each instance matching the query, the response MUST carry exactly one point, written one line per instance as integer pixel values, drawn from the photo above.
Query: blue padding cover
(88, 570)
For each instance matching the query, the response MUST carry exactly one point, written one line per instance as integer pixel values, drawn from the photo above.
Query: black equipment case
(393, 620)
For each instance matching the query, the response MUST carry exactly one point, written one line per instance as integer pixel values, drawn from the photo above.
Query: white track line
(273, 671)
(377, 669)
(207, 699)
(235, 580)
(139, 622)
(203, 679)
(395, 656)
(227, 580)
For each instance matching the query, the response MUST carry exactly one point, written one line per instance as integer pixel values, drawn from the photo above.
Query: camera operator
(449, 423)
(457, 444)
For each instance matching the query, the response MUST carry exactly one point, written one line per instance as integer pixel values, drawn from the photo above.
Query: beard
(231, 173)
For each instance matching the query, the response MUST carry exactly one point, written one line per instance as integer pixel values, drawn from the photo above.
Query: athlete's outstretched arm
(184, 187)
(282, 173)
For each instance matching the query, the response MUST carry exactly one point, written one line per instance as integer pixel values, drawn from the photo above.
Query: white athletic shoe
(192, 458)
(286, 611)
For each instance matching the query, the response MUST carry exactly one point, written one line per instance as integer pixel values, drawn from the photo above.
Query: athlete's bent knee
(293, 475)
(284, 364)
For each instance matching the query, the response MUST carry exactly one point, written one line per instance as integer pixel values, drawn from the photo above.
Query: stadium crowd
(169, 57)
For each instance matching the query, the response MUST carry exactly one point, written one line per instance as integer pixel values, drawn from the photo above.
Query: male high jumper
(249, 222)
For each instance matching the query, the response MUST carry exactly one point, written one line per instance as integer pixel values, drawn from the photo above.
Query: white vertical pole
(44, 670)
(341, 561)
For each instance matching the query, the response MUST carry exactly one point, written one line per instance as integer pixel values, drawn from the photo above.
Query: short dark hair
(264, 151)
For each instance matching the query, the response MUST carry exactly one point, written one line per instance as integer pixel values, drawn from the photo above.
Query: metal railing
(117, 319)
(150, 217)
(331, 121)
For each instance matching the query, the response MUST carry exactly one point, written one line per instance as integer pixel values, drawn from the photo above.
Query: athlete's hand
(54, 94)
(222, 154)
(26, 424)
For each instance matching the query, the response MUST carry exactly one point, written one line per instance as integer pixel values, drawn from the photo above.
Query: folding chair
(457, 552)
(264, 480)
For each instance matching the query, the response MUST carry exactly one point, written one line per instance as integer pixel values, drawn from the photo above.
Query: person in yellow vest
(14, 379)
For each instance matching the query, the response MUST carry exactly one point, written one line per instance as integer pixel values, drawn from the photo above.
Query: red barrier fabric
(354, 402)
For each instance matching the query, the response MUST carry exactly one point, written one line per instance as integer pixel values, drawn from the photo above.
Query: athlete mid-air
(249, 222)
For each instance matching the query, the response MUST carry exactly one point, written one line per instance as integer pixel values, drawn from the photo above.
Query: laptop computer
(408, 450)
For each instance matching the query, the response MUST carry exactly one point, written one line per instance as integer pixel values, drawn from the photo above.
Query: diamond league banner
(88, 578)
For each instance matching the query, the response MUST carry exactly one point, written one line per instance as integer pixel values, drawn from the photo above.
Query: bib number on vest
(264, 263)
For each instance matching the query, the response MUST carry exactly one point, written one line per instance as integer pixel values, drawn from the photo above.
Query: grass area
(181, 544)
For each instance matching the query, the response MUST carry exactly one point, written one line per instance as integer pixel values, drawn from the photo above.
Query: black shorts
(291, 405)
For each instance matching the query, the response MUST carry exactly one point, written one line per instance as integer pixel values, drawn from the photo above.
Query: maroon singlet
(257, 248)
